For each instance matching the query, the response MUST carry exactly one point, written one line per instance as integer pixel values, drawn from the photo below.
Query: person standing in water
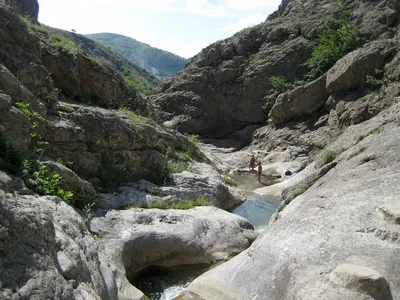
(252, 163)
(259, 171)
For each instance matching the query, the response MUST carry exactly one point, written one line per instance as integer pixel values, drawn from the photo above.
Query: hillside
(135, 76)
(156, 61)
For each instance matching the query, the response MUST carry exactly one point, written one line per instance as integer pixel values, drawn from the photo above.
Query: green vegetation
(279, 86)
(193, 137)
(59, 42)
(336, 40)
(160, 63)
(44, 182)
(376, 79)
(33, 27)
(185, 205)
(328, 156)
(63, 45)
(35, 172)
(134, 117)
(138, 85)
(177, 162)
(191, 203)
(35, 121)
(376, 131)
(228, 181)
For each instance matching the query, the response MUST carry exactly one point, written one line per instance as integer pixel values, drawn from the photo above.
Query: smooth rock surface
(332, 223)
(137, 238)
(391, 212)
(350, 72)
(361, 279)
(300, 102)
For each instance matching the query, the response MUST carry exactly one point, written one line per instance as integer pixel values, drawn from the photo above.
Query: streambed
(166, 284)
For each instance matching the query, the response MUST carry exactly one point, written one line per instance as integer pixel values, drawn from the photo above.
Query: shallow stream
(166, 284)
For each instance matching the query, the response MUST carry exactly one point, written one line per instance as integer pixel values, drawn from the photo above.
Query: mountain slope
(156, 61)
(137, 77)
(222, 89)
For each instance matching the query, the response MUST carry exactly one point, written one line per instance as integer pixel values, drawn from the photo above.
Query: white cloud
(204, 7)
(245, 22)
(251, 4)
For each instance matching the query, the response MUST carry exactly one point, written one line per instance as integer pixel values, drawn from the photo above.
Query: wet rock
(361, 279)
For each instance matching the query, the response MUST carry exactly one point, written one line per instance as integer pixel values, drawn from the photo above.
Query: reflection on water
(257, 210)
(166, 284)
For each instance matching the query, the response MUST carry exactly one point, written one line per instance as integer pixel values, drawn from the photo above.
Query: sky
(183, 27)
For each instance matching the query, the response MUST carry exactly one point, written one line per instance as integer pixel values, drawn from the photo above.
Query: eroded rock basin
(167, 283)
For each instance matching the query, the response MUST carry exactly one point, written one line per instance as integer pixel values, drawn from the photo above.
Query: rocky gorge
(94, 175)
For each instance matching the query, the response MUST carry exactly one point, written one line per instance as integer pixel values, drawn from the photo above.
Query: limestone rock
(300, 102)
(186, 186)
(296, 254)
(171, 237)
(50, 227)
(28, 8)
(84, 79)
(390, 212)
(361, 279)
(107, 148)
(83, 190)
(18, 92)
(350, 71)
(14, 127)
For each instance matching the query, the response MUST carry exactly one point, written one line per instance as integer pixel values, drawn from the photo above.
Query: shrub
(328, 156)
(376, 79)
(63, 45)
(33, 27)
(279, 85)
(40, 179)
(139, 86)
(194, 138)
(335, 41)
(35, 173)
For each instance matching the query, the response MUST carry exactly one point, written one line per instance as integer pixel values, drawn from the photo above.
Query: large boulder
(206, 183)
(84, 192)
(303, 101)
(53, 257)
(14, 128)
(350, 72)
(18, 92)
(137, 238)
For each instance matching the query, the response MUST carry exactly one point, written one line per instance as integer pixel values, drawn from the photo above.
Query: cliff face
(222, 88)
(27, 8)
